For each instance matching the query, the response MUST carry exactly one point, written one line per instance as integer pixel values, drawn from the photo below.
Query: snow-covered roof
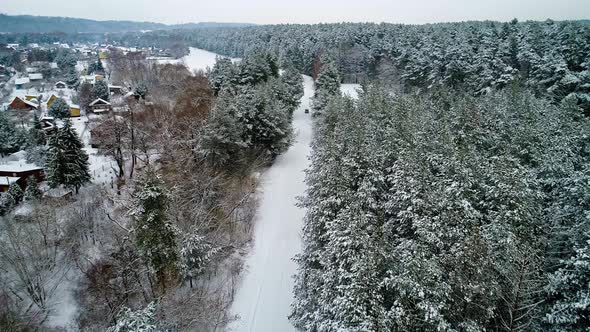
(38, 76)
(28, 102)
(75, 106)
(22, 80)
(18, 167)
(31, 70)
(115, 87)
(53, 65)
(60, 82)
(8, 180)
(99, 100)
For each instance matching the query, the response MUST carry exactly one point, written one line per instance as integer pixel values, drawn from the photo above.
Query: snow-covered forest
(449, 192)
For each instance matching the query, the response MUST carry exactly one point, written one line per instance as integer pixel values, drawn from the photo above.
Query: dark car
(306, 110)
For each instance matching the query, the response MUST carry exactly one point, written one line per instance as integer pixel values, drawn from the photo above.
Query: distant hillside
(43, 24)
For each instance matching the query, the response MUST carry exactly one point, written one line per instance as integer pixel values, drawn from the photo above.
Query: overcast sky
(302, 11)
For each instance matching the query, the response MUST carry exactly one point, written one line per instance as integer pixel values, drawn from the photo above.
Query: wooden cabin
(100, 106)
(51, 99)
(22, 83)
(60, 85)
(19, 173)
(6, 181)
(115, 90)
(22, 104)
(74, 111)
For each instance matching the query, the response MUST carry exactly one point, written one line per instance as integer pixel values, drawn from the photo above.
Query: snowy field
(265, 295)
(350, 90)
(198, 59)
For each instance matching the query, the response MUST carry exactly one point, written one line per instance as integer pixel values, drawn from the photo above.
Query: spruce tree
(32, 192)
(328, 79)
(7, 202)
(67, 162)
(36, 133)
(16, 192)
(59, 109)
(8, 139)
(154, 233)
(101, 90)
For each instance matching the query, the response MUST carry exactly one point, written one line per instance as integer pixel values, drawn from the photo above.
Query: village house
(33, 97)
(116, 90)
(51, 99)
(48, 125)
(22, 104)
(100, 106)
(6, 181)
(36, 77)
(17, 172)
(74, 111)
(60, 85)
(91, 78)
(21, 83)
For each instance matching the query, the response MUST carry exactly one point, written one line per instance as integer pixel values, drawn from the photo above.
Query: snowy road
(265, 294)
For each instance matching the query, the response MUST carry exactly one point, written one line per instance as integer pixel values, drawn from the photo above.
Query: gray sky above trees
(302, 11)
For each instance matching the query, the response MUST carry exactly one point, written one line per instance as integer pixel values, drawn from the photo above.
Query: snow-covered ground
(198, 59)
(102, 168)
(264, 297)
(350, 90)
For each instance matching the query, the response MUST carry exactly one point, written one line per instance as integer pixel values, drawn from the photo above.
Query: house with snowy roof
(36, 77)
(100, 106)
(22, 104)
(60, 85)
(18, 172)
(21, 83)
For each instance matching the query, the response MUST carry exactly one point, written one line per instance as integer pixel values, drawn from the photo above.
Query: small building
(32, 70)
(22, 104)
(100, 106)
(116, 89)
(51, 99)
(20, 83)
(36, 77)
(33, 97)
(74, 111)
(19, 173)
(91, 78)
(48, 125)
(6, 181)
(60, 85)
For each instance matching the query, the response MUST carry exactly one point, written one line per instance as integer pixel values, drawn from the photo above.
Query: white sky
(302, 11)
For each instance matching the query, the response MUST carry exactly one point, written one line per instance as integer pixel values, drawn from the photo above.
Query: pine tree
(140, 91)
(569, 291)
(7, 202)
(101, 90)
(85, 95)
(154, 233)
(142, 320)
(59, 109)
(36, 133)
(195, 254)
(67, 162)
(8, 135)
(16, 192)
(328, 79)
(32, 192)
